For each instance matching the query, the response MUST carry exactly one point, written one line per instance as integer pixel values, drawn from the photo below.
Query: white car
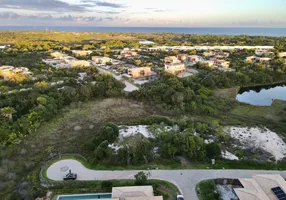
(180, 197)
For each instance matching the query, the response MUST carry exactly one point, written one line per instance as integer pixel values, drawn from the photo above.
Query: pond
(262, 95)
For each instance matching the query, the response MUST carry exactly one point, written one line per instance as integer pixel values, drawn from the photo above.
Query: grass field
(228, 93)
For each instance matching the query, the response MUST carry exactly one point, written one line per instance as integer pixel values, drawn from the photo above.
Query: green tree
(42, 100)
(141, 178)
(213, 150)
(42, 86)
(8, 112)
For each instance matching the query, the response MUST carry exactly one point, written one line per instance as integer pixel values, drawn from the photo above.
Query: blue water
(212, 31)
(262, 96)
(85, 196)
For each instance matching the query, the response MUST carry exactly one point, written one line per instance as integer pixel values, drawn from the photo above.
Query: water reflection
(262, 95)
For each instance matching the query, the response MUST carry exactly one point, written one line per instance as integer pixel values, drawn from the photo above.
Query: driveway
(185, 180)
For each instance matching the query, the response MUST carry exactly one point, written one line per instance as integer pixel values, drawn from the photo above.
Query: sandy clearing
(259, 138)
(229, 156)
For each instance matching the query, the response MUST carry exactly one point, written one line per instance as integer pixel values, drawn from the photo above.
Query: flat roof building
(139, 72)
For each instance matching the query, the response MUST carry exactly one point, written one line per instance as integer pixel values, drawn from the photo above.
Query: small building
(209, 63)
(282, 55)
(80, 63)
(172, 59)
(250, 59)
(8, 71)
(182, 57)
(101, 60)
(263, 52)
(175, 68)
(221, 63)
(218, 55)
(128, 53)
(134, 193)
(258, 59)
(139, 72)
(81, 53)
(194, 59)
(262, 187)
(58, 55)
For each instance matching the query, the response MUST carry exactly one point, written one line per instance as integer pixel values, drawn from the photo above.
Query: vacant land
(64, 134)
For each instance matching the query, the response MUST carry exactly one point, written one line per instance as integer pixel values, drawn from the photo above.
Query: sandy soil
(255, 137)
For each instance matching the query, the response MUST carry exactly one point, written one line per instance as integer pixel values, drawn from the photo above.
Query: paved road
(186, 180)
(129, 86)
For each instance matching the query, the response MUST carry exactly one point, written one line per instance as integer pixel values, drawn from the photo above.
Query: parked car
(70, 176)
(180, 197)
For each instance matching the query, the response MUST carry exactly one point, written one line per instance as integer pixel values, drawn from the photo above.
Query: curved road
(185, 180)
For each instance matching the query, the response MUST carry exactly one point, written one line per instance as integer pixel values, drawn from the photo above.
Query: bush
(106, 184)
(213, 150)
(208, 191)
(141, 178)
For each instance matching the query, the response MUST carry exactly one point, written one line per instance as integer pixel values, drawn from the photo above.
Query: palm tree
(8, 112)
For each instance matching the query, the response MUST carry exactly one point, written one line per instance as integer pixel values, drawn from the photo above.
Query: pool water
(84, 196)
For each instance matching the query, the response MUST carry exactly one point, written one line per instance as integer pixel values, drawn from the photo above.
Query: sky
(144, 13)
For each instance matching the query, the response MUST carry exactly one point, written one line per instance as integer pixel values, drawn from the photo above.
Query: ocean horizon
(276, 32)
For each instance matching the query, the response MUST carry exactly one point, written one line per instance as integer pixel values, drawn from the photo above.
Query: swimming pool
(84, 196)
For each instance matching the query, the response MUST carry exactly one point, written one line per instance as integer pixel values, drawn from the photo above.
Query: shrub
(106, 184)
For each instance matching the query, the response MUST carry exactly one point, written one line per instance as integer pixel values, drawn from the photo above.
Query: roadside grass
(207, 190)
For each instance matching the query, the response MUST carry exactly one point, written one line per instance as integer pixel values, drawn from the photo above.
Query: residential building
(80, 63)
(194, 59)
(128, 53)
(221, 63)
(209, 63)
(175, 68)
(139, 72)
(251, 59)
(221, 55)
(7, 71)
(262, 187)
(58, 55)
(134, 193)
(182, 57)
(263, 52)
(172, 59)
(258, 59)
(101, 60)
(218, 55)
(282, 55)
(81, 53)
(263, 60)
